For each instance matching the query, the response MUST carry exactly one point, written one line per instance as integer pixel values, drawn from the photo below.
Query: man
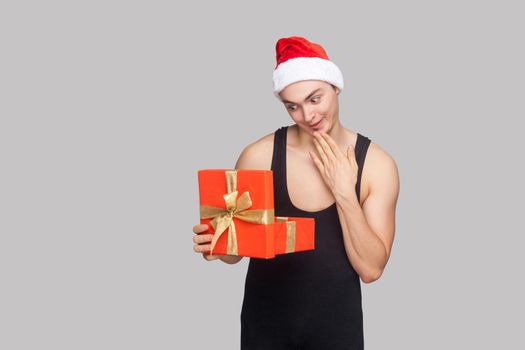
(312, 299)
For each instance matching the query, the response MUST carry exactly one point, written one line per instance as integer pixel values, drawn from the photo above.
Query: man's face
(312, 104)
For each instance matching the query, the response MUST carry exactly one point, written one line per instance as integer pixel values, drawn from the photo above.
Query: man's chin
(320, 126)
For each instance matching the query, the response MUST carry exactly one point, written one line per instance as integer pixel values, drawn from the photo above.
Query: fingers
(351, 156)
(317, 162)
(322, 138)
(200, 228)
(202, 248)
(331, 144)
(321, 151)
(202, 241)
(202, 238)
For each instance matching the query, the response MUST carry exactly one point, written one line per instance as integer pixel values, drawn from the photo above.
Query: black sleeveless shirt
(310, 298)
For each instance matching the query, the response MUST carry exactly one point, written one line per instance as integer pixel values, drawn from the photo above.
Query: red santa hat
(299, 59)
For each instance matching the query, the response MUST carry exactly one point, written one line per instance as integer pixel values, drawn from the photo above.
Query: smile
(315, 126)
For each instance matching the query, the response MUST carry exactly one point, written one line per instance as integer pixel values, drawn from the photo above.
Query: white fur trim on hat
(306, 68)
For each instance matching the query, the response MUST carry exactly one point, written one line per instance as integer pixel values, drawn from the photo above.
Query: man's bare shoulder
(379, 168)
(257, 155)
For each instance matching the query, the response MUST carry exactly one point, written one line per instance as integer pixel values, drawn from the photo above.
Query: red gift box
(238, 207)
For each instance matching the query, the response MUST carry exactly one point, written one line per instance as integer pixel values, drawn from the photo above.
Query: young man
(312, 299)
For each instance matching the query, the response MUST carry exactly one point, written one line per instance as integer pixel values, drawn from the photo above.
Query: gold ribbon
(236, 207)
(290, 233)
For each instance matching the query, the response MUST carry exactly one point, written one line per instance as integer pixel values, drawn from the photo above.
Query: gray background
(108, 109)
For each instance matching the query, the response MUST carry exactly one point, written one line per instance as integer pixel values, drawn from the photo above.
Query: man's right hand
(203, 242)
(203, 245)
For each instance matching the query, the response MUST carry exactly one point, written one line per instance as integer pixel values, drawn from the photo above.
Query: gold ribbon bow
(236, 207)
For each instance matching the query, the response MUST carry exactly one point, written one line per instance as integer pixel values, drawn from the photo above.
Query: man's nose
(308, 115)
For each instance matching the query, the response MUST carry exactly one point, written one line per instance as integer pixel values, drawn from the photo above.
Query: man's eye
(315, 99)
(292, 108)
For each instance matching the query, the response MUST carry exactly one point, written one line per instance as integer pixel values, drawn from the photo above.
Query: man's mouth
(315, 126)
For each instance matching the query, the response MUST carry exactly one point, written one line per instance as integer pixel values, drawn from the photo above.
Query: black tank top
(310, 296)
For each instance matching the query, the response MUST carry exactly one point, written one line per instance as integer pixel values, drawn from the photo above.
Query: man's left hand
(339, 170)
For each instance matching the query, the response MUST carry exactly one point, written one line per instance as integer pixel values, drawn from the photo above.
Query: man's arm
(368, 231)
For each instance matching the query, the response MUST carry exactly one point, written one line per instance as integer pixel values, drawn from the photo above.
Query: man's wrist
(347, 199)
